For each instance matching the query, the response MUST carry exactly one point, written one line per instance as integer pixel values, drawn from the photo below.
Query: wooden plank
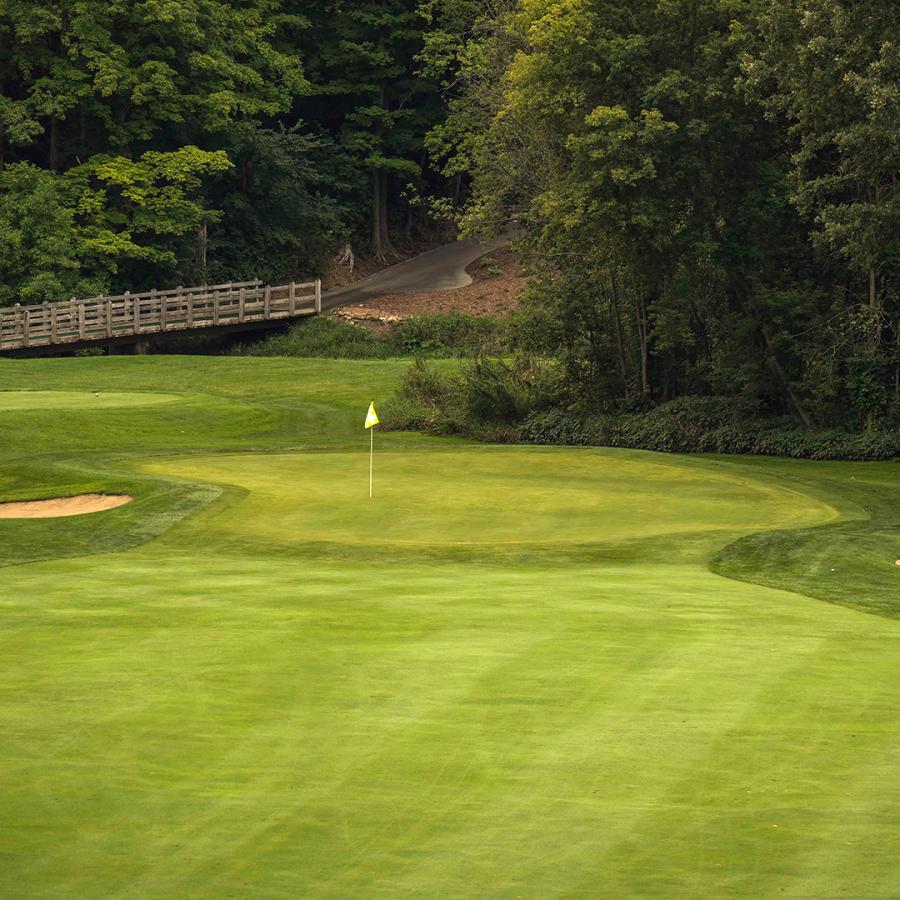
(105, 317)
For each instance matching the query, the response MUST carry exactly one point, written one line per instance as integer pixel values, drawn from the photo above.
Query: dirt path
(496, 288)
(443, 269)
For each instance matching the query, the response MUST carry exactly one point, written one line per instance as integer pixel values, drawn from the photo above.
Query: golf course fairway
(517, 672)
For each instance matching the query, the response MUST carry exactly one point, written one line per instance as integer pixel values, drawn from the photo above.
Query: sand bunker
(62, 506)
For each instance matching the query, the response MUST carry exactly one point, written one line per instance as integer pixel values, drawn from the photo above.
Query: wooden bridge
(134, 318)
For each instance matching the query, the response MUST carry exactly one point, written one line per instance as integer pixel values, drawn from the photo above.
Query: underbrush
(448, 335)
(504, 401)
(320, 336)
(664, 432)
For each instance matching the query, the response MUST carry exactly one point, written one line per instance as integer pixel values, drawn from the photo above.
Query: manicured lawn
(512, 674)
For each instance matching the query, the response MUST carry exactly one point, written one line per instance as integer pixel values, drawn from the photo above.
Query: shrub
(321, 336)
(669, 431)
(451, 334)
(492, 393)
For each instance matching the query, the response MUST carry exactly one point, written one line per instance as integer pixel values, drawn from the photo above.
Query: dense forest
(704, 192)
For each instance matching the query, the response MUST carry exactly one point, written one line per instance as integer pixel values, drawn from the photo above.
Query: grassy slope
(513, 675)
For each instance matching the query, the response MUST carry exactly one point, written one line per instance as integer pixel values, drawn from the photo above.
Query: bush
(499, 401)
(433, 336)
(492, 393)
(426, 400)
(324, 337)
(453, 334)
(485, 398)
(667, 429)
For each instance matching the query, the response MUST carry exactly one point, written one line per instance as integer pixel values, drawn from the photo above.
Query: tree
(362, 57)
(40, 259)
(132, 104)
(831, 69)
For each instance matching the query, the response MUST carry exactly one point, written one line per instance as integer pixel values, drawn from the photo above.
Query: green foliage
(450, 334)
(453, 335)
(483, 397)
(278, 213)
(706, 425)
(684, 173)
(324, 337)
(833, 73)
(495, 400)
(136, 210)
(39, 239)
(375, 101)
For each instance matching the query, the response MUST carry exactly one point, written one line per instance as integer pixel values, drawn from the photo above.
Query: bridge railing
(152, 312)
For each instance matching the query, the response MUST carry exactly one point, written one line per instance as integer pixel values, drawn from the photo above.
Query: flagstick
(371, 457)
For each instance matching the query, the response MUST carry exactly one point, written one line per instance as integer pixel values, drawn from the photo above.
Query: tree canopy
(705, 190)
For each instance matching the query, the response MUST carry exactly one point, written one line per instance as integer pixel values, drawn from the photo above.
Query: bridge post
(318, 296)
(242, 305)
(53, 328)
(26, 328)
(81, 329)
(109, 328)
(267, 305)
(215, 307)
(292, 298)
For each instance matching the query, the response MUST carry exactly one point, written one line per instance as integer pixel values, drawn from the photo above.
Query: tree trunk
(383, 213)
(897, 364)
(381, 240)
(875, 312)
(616, 323)
(202, 242)
(640, 313)
(381, 236)
(377, 240)
(799, 410)
(874, 304)
(2, 136)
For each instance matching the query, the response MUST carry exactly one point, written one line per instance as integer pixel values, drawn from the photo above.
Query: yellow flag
(372, 417)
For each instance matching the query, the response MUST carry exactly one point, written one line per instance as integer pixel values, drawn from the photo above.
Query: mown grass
(513, 674)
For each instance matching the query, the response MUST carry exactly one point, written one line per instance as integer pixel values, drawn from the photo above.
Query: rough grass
(513, 674)
(439, 336)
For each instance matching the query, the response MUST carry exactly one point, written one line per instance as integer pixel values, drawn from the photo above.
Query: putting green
(79, 400)
(487, 495)
(511, 675)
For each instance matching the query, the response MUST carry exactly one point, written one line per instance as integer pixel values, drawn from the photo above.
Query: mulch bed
(495, 291)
